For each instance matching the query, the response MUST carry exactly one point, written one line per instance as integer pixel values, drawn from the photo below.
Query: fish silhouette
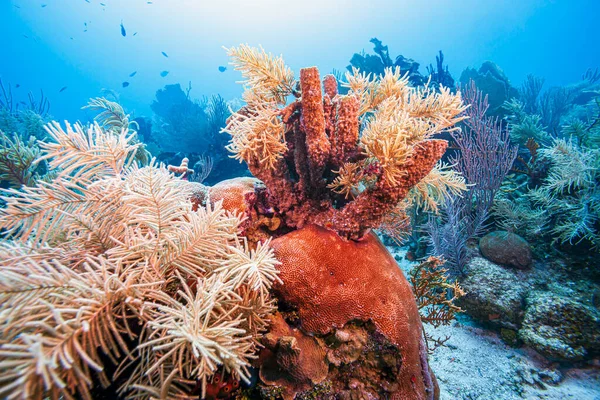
(164, 73)
(164, 54)
(62, 89)
(123, 31)
(125, 84)
(222, 68)
(132, 74)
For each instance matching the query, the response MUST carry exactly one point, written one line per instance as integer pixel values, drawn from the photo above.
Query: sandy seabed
(477, 364)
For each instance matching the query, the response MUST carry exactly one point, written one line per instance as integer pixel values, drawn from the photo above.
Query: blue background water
(557, 40)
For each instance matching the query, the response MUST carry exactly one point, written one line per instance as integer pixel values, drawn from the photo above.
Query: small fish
(123, 31)
(148, 2)
(44, 5)
(125, 84)
(71, 38)
(16, 6)
(62, 89)
(164, 73)
(87, 1)
(131, 75)
(17, 86)
(135, 34)
(103, 5)
(85, 24)
(25, 36)
(22, 102)
(85, 30)
(222, 68)
(164, 54)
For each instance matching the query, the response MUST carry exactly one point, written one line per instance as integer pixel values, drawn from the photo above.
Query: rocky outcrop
(560, 328)
(494, 294)
(506, 248)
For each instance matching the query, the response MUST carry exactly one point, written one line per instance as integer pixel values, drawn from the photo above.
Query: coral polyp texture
(333, 282)
(340, 161)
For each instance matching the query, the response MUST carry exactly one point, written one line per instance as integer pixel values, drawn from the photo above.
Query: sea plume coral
(94, 258)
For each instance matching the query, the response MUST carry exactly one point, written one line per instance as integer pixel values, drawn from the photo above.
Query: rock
(506, 248)
(494, 294)
(561, 328)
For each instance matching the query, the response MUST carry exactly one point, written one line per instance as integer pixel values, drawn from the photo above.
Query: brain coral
(331, 281)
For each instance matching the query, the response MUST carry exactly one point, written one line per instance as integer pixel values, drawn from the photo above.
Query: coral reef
(376, 64)
(535, 307)
(561, 328)
(494, 84)
(190, 128)
(333, 167)
(109, 277)
(20, 129)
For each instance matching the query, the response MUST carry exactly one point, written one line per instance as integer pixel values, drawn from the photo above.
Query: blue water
(557, 40)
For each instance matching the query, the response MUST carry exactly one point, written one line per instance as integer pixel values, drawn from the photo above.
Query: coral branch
(320, 168)
(313, 122)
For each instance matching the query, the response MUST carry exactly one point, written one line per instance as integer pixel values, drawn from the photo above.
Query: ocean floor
(477, 364)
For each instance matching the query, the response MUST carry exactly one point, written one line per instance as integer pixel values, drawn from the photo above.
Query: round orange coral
(331, 281)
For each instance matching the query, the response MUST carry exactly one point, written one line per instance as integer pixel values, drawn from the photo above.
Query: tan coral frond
(348, 180)
(17, 159)
(396, 223)
(88, 154)
(111, 115)
(198, 240)
(267, 78)
(442, 109)
(196, 334)
(253, 267)
(257, 136)
(373, 91)
(70, 315)
(440, 184)
(39, 213)
(385, 138)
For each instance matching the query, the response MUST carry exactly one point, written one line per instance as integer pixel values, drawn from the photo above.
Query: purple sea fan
(483, 156)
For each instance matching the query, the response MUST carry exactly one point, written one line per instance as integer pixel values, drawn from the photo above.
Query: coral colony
(116, 276)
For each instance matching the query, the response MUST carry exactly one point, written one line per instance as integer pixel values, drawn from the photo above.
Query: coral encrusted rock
(330, 282)
(506, 248)
(494, 294)
(561, 328)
